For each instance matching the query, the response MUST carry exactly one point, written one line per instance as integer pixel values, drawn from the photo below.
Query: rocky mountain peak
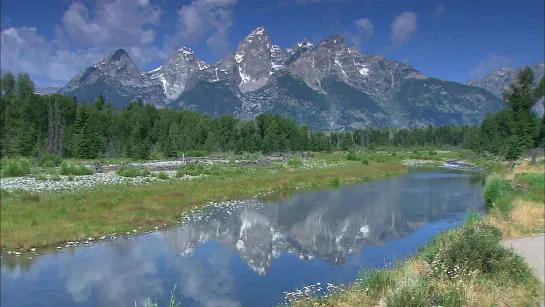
(118, 62)
(118, 55)
(260, 31)
(498, 81)
(328, 86)
(336, 40)
(176, 72)
(253, 60)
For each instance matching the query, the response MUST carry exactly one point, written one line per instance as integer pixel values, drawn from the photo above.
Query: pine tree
(520, 101)
(86, 138)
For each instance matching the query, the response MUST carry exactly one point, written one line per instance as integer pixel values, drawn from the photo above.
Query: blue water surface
(249, 254)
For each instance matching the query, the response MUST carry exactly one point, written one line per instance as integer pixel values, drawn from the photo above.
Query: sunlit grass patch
(72, 215)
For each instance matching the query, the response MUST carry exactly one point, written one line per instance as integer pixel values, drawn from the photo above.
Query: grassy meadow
(48, 218)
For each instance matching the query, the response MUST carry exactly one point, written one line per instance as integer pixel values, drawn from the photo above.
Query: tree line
(32, 124)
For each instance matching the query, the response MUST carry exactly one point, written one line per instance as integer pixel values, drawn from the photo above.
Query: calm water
(247, 255)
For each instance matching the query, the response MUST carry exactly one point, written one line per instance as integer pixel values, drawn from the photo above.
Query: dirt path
(533, 250)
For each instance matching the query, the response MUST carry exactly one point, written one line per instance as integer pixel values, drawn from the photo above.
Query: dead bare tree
(54, 131)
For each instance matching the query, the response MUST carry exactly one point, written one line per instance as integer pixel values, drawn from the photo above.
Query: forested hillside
(33, 124)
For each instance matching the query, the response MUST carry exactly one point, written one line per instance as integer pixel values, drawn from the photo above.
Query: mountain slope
(498, 81)
(119, 79)
(328, 86)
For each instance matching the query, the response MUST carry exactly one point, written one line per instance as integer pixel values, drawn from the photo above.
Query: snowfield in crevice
(32, 184)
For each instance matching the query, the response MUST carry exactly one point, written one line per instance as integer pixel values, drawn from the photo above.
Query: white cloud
(439, 11)
(403, 27)
(205, 19)
(23, 50)
(115, 23)
(366, 26)
(365, 29)
(81, 40)
(491, 63)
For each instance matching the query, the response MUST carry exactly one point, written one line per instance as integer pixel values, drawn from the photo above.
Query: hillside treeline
(33, 124)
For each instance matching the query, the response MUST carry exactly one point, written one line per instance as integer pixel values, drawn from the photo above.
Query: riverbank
(467, 266)
(36, 220)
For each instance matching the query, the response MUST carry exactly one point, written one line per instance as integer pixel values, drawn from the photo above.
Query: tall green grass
(15, 167)
(74, 170)
(49, 160)
(132, 171)
(498, 194)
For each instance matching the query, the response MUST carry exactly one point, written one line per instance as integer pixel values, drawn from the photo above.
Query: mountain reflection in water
(323, 236)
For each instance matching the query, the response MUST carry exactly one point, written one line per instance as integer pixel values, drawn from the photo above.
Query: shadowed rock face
(329, 86)
(328, 224)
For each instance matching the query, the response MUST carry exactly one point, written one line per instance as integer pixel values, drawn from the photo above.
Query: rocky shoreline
(56, 183)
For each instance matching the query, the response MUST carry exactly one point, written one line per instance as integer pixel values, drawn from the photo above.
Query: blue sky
(452, 40)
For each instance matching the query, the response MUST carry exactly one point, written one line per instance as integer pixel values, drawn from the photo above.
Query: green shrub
(364, 161)
(155, 155)
(49, 160)
(55, 178)
(495, 188)
(162, 176)
(454, 297)
(74, 170)
(15, 167)
(432, 153)
(376, 280)
(335, 182)
(196, 153)
(411, 292)
(132, 171)
(295, 162)
(287, 186)
(532, 185)
(472, 217)
(473, 247)
(496, 167)
(352, 156)
(191, 169)
(41, 177)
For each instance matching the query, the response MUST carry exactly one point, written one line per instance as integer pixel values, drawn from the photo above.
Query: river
(248, 254)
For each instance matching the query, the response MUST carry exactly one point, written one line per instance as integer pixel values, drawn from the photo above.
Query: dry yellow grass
(526, 218)
(526, 167)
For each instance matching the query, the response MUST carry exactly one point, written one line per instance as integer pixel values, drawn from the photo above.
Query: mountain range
(498, 81)
(329, 86)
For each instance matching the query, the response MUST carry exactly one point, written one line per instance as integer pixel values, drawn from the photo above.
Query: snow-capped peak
(305, 44)
(186, 50)
(259, 31)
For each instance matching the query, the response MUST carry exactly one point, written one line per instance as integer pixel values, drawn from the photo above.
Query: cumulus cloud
(84, 35)
(364, 30)
(403, 28)
(491, 63)
(117, 22)
(439, 11)
(23, 50)
(366, 26)
(205, 19)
